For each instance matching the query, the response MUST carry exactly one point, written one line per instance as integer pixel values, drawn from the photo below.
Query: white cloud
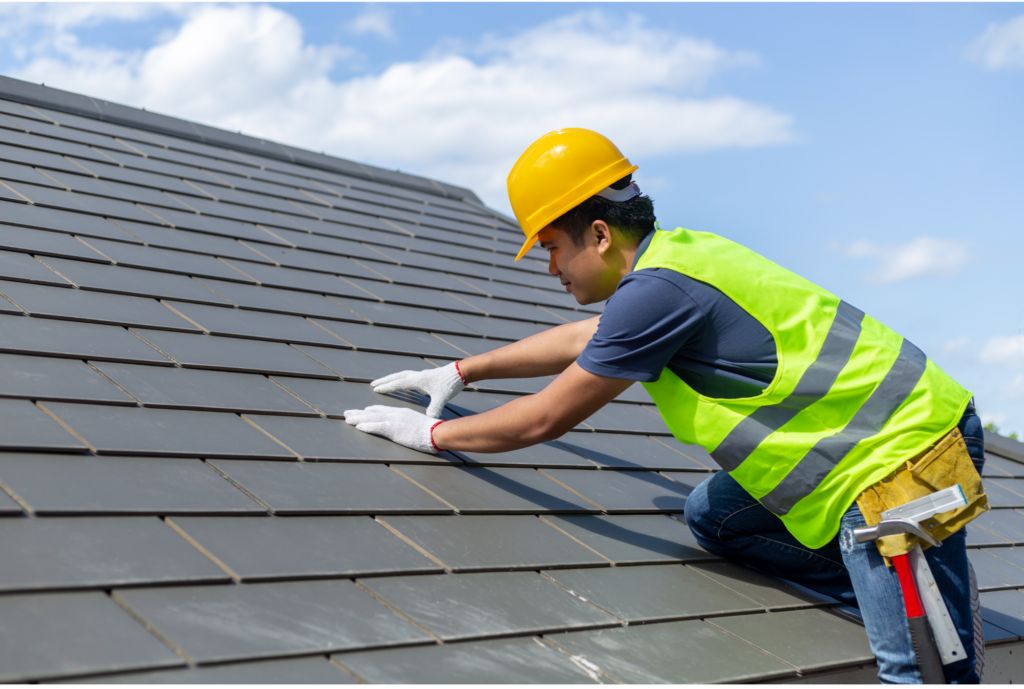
(923, 256)
(1003, 351)
(1014, 390)
(461, 116)
(1001, 46)
(376, 20)
(956, 344)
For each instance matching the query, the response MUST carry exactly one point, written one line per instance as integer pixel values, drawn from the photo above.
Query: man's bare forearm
(531, 419)
(543, 354)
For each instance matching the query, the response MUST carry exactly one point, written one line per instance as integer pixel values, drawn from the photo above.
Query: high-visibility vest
(851, 400)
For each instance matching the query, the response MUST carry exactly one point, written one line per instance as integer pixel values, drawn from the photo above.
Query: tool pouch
(945, 464)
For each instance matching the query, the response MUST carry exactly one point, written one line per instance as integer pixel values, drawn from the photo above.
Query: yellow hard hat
(559, 171)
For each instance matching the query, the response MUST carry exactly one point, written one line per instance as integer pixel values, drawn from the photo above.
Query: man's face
(581, 269)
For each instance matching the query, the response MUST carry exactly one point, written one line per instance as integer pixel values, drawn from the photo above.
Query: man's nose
(552, 268)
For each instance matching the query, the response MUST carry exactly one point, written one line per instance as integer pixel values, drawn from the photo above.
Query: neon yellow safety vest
(851, 400)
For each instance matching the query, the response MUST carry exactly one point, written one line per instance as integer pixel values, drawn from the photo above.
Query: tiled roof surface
(188, 313)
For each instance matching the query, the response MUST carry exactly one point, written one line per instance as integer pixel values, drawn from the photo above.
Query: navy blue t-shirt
(659, 318)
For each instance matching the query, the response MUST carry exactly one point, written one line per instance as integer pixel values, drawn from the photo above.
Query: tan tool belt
(945, 464)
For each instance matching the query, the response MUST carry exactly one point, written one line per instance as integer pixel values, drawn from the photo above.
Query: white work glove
(404, 426)
(440, 384)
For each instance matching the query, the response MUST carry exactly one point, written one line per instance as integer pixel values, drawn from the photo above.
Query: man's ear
(602, 235)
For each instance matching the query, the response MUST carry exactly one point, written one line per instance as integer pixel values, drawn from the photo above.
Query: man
(811, 407)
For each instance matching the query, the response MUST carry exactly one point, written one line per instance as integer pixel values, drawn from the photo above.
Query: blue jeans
(727, 521)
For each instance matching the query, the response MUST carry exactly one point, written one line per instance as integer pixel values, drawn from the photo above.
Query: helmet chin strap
(619, 195)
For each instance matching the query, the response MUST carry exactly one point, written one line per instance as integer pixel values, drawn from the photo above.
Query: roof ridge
(28, 93)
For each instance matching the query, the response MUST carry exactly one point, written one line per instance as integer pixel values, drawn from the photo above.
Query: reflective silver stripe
(883, 402)
(813, 385)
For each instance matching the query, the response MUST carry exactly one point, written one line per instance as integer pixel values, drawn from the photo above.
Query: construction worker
(816, 412)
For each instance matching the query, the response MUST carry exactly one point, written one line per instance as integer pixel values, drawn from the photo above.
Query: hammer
(935, 639)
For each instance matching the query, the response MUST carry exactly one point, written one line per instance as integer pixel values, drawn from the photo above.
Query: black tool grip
(928, 660)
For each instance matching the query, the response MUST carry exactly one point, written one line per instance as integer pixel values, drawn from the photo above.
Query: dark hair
(633, 218)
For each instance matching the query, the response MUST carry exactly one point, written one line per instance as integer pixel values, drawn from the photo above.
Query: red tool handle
(910, 597)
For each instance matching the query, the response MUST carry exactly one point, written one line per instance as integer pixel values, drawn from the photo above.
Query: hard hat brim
(527, 245)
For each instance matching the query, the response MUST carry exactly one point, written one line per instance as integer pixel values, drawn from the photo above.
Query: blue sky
(875, 149)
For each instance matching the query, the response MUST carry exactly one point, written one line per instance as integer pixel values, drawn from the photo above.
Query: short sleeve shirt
(659, 319)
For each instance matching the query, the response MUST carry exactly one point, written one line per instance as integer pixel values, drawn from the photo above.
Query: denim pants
(727, 521)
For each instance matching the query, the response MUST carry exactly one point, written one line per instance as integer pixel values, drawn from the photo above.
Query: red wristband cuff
(432, 435)
(459, 371)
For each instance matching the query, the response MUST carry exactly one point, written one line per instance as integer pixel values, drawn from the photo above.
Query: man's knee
(697, 512)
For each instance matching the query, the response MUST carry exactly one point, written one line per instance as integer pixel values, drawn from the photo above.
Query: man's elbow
(549, 429)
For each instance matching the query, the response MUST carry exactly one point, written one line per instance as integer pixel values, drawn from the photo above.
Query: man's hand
(440, 384)
(398, 424)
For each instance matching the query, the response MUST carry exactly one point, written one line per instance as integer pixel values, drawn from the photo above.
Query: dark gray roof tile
(232, 354)
(28, 427)
(168, 260)
(314, 670)
(12, 172)
(195, 242)
(362, 366)
(634, 539)
(472, 346)
(60, 221)
(78, 340)
(477, 605)
(626, 451)
(480, 490)
(410, 317)
(1004, 447)
(499, 328)
(624, 491)
(306, 280)
(270, 548)
(98, 552)
(19, 266)
(52, 636)
(390, 340)
(807, 639)
(180, 388)
(49, 161)
(407, 275)
(48, 378)
(281, 300)
(47, 244)
(1007, 525)
(690, 651)
(333, 398)
(653, 593)
(61, 199)
(761, 588)
(334, 440)
(518, 386)
(543, 455)
(97, 307)
(993, 572)
(259, 325)
(502, 308)
(187, 220)
(134, 281)
(1005, 609)
(8, 506)
(215, 623)
(71, 485)
(496, 661)
(492, 542)
(1001, 494)
(329, 488)
(133, 431)
(627, 418)
(694, 452)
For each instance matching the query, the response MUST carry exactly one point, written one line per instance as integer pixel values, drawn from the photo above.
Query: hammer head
(907, 518)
